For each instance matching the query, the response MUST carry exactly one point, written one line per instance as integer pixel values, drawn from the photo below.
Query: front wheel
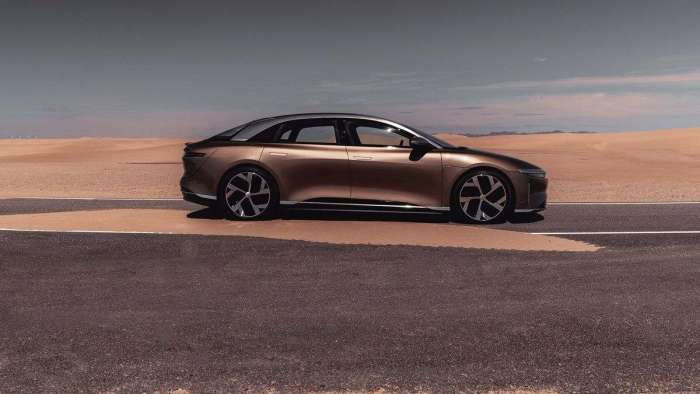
(482, 197)
(247, 193)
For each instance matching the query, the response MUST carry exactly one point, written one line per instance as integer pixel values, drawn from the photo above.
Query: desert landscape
(662, 165)
(649, 166)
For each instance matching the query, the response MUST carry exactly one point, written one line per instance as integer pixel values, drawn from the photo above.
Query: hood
(482, 155)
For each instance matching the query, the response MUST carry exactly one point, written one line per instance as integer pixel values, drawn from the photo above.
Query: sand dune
(338, 232)
(634, 166)
(91, 167)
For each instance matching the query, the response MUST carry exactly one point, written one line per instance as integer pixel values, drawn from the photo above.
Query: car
(337, 161)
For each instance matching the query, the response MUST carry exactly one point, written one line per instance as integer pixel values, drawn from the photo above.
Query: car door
(385, 168)
(310, 160)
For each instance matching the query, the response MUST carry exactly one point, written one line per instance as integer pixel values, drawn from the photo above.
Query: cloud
(554, 111)
(380, 81)
(369, 85)
(692, 77)
(541, 59)
(470, 108)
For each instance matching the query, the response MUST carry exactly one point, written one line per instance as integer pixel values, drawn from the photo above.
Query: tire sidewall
(456, 209)
(223, 208)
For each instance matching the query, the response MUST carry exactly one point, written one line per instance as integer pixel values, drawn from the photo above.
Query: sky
(182, 68)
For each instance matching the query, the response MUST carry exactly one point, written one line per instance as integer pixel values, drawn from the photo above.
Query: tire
(248, 193)
(482, 197)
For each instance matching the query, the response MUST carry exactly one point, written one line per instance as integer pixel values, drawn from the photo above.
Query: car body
(351, 161)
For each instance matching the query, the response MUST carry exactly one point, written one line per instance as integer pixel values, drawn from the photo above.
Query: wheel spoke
(256, 208)
(497, 204)
(479, 213)
(262, 190)
(475, 182)
(231, 188)
(250, 181)
(495, 186)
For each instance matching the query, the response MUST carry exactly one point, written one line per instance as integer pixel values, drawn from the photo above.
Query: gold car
(354, 162)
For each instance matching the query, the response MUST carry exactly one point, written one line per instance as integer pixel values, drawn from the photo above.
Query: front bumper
(536, 195)
(530, 192)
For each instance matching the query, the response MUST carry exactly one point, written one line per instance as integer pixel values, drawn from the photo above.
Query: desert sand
(174, 221)
(659, 165)
(90, 167)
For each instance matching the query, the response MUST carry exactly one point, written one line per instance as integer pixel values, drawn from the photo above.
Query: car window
(378, 134)
(313, 131)
(316, 135)
(285, 135)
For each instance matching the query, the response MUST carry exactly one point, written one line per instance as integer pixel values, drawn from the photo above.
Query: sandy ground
(659, 165)
(337, 232)
(91, 167)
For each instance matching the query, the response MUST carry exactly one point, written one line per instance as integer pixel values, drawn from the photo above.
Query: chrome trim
(372, 211)
(528, 210)
(405, 206)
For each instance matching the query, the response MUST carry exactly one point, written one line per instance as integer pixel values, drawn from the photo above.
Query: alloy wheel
(483, 197)
(247, 194)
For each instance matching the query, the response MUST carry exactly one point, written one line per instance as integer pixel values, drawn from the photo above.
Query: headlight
(533, 172)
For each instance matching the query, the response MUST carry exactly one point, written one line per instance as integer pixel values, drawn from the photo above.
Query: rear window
(310, 131)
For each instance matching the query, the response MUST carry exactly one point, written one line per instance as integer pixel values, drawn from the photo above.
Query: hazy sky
(180, 68)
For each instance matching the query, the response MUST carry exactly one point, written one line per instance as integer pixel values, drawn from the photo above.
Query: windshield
(432, 138)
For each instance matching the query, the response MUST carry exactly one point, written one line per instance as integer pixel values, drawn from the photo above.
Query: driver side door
(384, 167)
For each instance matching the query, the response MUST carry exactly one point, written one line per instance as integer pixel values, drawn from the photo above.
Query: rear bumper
(201, 199)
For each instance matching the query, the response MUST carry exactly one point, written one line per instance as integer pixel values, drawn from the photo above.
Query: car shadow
(301, 214)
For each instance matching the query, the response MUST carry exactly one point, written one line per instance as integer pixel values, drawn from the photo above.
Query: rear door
(385, 168)
(310, 160)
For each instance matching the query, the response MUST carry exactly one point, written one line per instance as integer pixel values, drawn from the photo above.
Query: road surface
(140, 313)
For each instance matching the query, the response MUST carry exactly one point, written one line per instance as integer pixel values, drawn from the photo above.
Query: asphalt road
(140, 313)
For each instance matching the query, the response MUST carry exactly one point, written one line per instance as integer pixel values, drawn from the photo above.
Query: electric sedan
(334, 161)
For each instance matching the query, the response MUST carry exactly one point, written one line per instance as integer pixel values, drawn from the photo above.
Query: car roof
(318, 115)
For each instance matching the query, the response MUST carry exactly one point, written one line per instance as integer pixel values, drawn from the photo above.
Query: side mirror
(420, 144)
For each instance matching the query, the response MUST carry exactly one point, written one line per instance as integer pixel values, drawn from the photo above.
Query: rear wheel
(248, 193)
(482, 197)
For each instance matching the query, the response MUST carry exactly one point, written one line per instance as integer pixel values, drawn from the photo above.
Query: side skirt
(362, 207)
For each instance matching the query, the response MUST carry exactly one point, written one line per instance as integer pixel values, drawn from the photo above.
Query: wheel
(482, 197)
(247, 193)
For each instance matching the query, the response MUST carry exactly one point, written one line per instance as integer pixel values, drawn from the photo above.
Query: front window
(370, 133)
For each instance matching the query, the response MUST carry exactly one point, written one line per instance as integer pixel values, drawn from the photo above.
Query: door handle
(363, 158)
(277, 154)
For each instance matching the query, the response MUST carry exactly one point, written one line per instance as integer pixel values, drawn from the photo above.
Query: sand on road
(175, 221)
